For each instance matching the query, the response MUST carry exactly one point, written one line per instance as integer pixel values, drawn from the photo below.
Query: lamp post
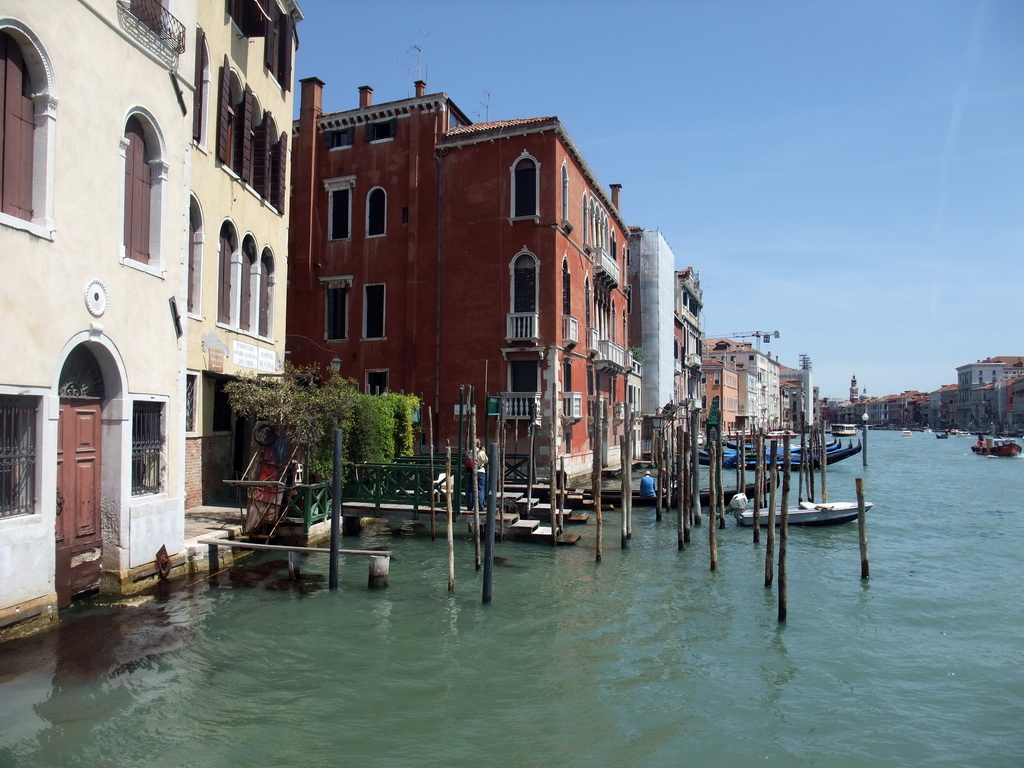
(335, 365)
(864, 439)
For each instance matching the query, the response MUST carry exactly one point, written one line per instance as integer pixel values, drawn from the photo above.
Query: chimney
(312, 94)
(421, 88)
(365, 96)
(616, 188)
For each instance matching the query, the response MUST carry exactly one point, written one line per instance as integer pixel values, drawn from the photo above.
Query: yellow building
(241, 115)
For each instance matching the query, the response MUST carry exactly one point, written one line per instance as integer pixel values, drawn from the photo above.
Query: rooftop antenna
(426, 55)
(417, 55)
(487, 107)
(408, 69)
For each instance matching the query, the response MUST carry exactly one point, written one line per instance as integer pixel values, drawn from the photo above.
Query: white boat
(844, 430)
(907, 433)
(807, 513)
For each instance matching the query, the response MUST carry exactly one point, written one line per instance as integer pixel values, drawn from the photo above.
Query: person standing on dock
(647, 486)
(480, 462)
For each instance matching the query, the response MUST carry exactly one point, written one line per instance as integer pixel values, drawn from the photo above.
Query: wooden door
(78, 534)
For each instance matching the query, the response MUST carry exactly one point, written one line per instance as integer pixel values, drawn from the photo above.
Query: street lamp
(335, 365)
(864, 439)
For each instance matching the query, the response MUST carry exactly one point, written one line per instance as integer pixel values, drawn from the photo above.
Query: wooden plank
(525, 525)
(231, 543)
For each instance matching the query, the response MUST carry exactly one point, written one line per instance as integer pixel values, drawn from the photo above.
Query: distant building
(762, 399)
(975, 409)
(721, 380)
(689, 335)
(652, 315)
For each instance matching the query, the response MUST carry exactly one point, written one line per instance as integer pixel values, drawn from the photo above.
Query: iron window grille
(191, 380)
(147, 447)
(17, 456)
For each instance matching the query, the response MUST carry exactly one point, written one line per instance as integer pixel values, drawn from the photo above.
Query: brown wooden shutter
(261, 157)
(197, 95)
(280, 189)
(245, 303)
(284, 60)
(266, 270)
(138, 187)
(245, 166)
(16, 132)
(193, 230)
(270, 43)
(225, 115)
(224, 276)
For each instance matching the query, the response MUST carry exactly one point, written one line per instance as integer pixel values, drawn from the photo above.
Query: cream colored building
(95, 175)
(241, 115)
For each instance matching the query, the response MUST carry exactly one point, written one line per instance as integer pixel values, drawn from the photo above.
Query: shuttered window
(194, 228)
(279, 172)
(261, 157)
(242, 160)
(138, 189)
(17, 126)
(248, 268)
(225, 117)
(266, 293)
(227, 249)
(202, 84)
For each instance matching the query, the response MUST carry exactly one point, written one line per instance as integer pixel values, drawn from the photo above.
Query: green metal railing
(310, 503)
(406, 483)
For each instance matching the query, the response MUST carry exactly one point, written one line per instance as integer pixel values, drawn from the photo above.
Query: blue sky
(848, 173)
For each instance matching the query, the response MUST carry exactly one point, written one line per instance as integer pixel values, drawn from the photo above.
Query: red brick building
(430, 253)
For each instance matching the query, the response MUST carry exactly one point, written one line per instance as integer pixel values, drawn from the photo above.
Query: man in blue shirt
(647, 488)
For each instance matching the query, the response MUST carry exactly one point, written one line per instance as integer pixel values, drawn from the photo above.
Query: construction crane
(766, 335)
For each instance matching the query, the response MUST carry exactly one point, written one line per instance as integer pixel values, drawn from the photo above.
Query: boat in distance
(807, 513)
(844, 430)
(996, 446)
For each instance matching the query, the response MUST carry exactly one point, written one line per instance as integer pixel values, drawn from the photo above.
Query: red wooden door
(78, 534)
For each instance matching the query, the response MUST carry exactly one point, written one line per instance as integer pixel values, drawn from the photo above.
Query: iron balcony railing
(608, 266)
(159, 21)
(570, 330)
(679, 366)
(520, 405)
(522, 326)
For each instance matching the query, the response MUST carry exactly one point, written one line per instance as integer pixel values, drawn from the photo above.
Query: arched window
(227, 246)
(524, 187)
(17, 127)
(264, 140)
(524, 283)
(28, 113)
(249, 273)
(586, 221)
(586, 299)
(195, 255)
(565, 193)
(376, 212)
(566, 288)
(267, 280)
(145, 176)
(138, 191)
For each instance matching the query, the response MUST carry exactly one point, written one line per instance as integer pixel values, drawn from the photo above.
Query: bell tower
(853, 389)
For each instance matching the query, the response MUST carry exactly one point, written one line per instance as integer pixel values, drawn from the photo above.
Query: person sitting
(647, 486)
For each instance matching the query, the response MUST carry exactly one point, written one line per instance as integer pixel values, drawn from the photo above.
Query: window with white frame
(201, 95)
(191, 401)
(145, 179)
(147, 447)
(18, 455)
(267, 283)
(377, 382)
(249, 275)
(195, 256)
(373, 311)
(227, 247)
(376, 212)
(28, 112)
(524, 283)
(565, 193)
(339, 207)
(525, 191)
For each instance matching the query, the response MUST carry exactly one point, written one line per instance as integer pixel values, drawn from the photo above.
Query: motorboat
(844, 430)
(907, 433)
(807, 513)
(996, 446)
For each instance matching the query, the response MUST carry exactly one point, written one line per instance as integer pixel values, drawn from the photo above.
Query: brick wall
(208, 463)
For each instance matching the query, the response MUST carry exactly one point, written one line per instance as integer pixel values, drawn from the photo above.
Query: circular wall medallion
(96, 298)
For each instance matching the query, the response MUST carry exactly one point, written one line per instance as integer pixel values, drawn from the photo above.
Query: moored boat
(996, 446)
(844, 430)
(907, 433)
(942, 435)
(807, 513)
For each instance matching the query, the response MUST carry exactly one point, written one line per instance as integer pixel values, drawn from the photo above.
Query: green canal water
(644, 659)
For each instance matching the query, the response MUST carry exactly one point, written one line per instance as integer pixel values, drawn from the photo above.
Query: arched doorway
(78, 533)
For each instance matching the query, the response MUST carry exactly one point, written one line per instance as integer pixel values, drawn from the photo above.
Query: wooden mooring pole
(686, 485)
(720, 493)
(449, 488)
(681, 495)
(862, 529)
(784, 533)
(474, 479)
(758, 482)
(492, 502)
(596, 444)
(332, 578)
(695, 511)
(773, 481)
(430, 439)
(626, 489)
(713, 501)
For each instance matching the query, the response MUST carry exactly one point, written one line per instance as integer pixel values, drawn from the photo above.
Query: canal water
(644, 659)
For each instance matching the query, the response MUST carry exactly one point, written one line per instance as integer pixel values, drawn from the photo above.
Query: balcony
(611, 356)
(636, 366)
(679, 366)
(520, 405)
(572, 406)
(570, 331)
(522, 326)
(607, 267)
(693, 361)
(145, 18)
(592, 339)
